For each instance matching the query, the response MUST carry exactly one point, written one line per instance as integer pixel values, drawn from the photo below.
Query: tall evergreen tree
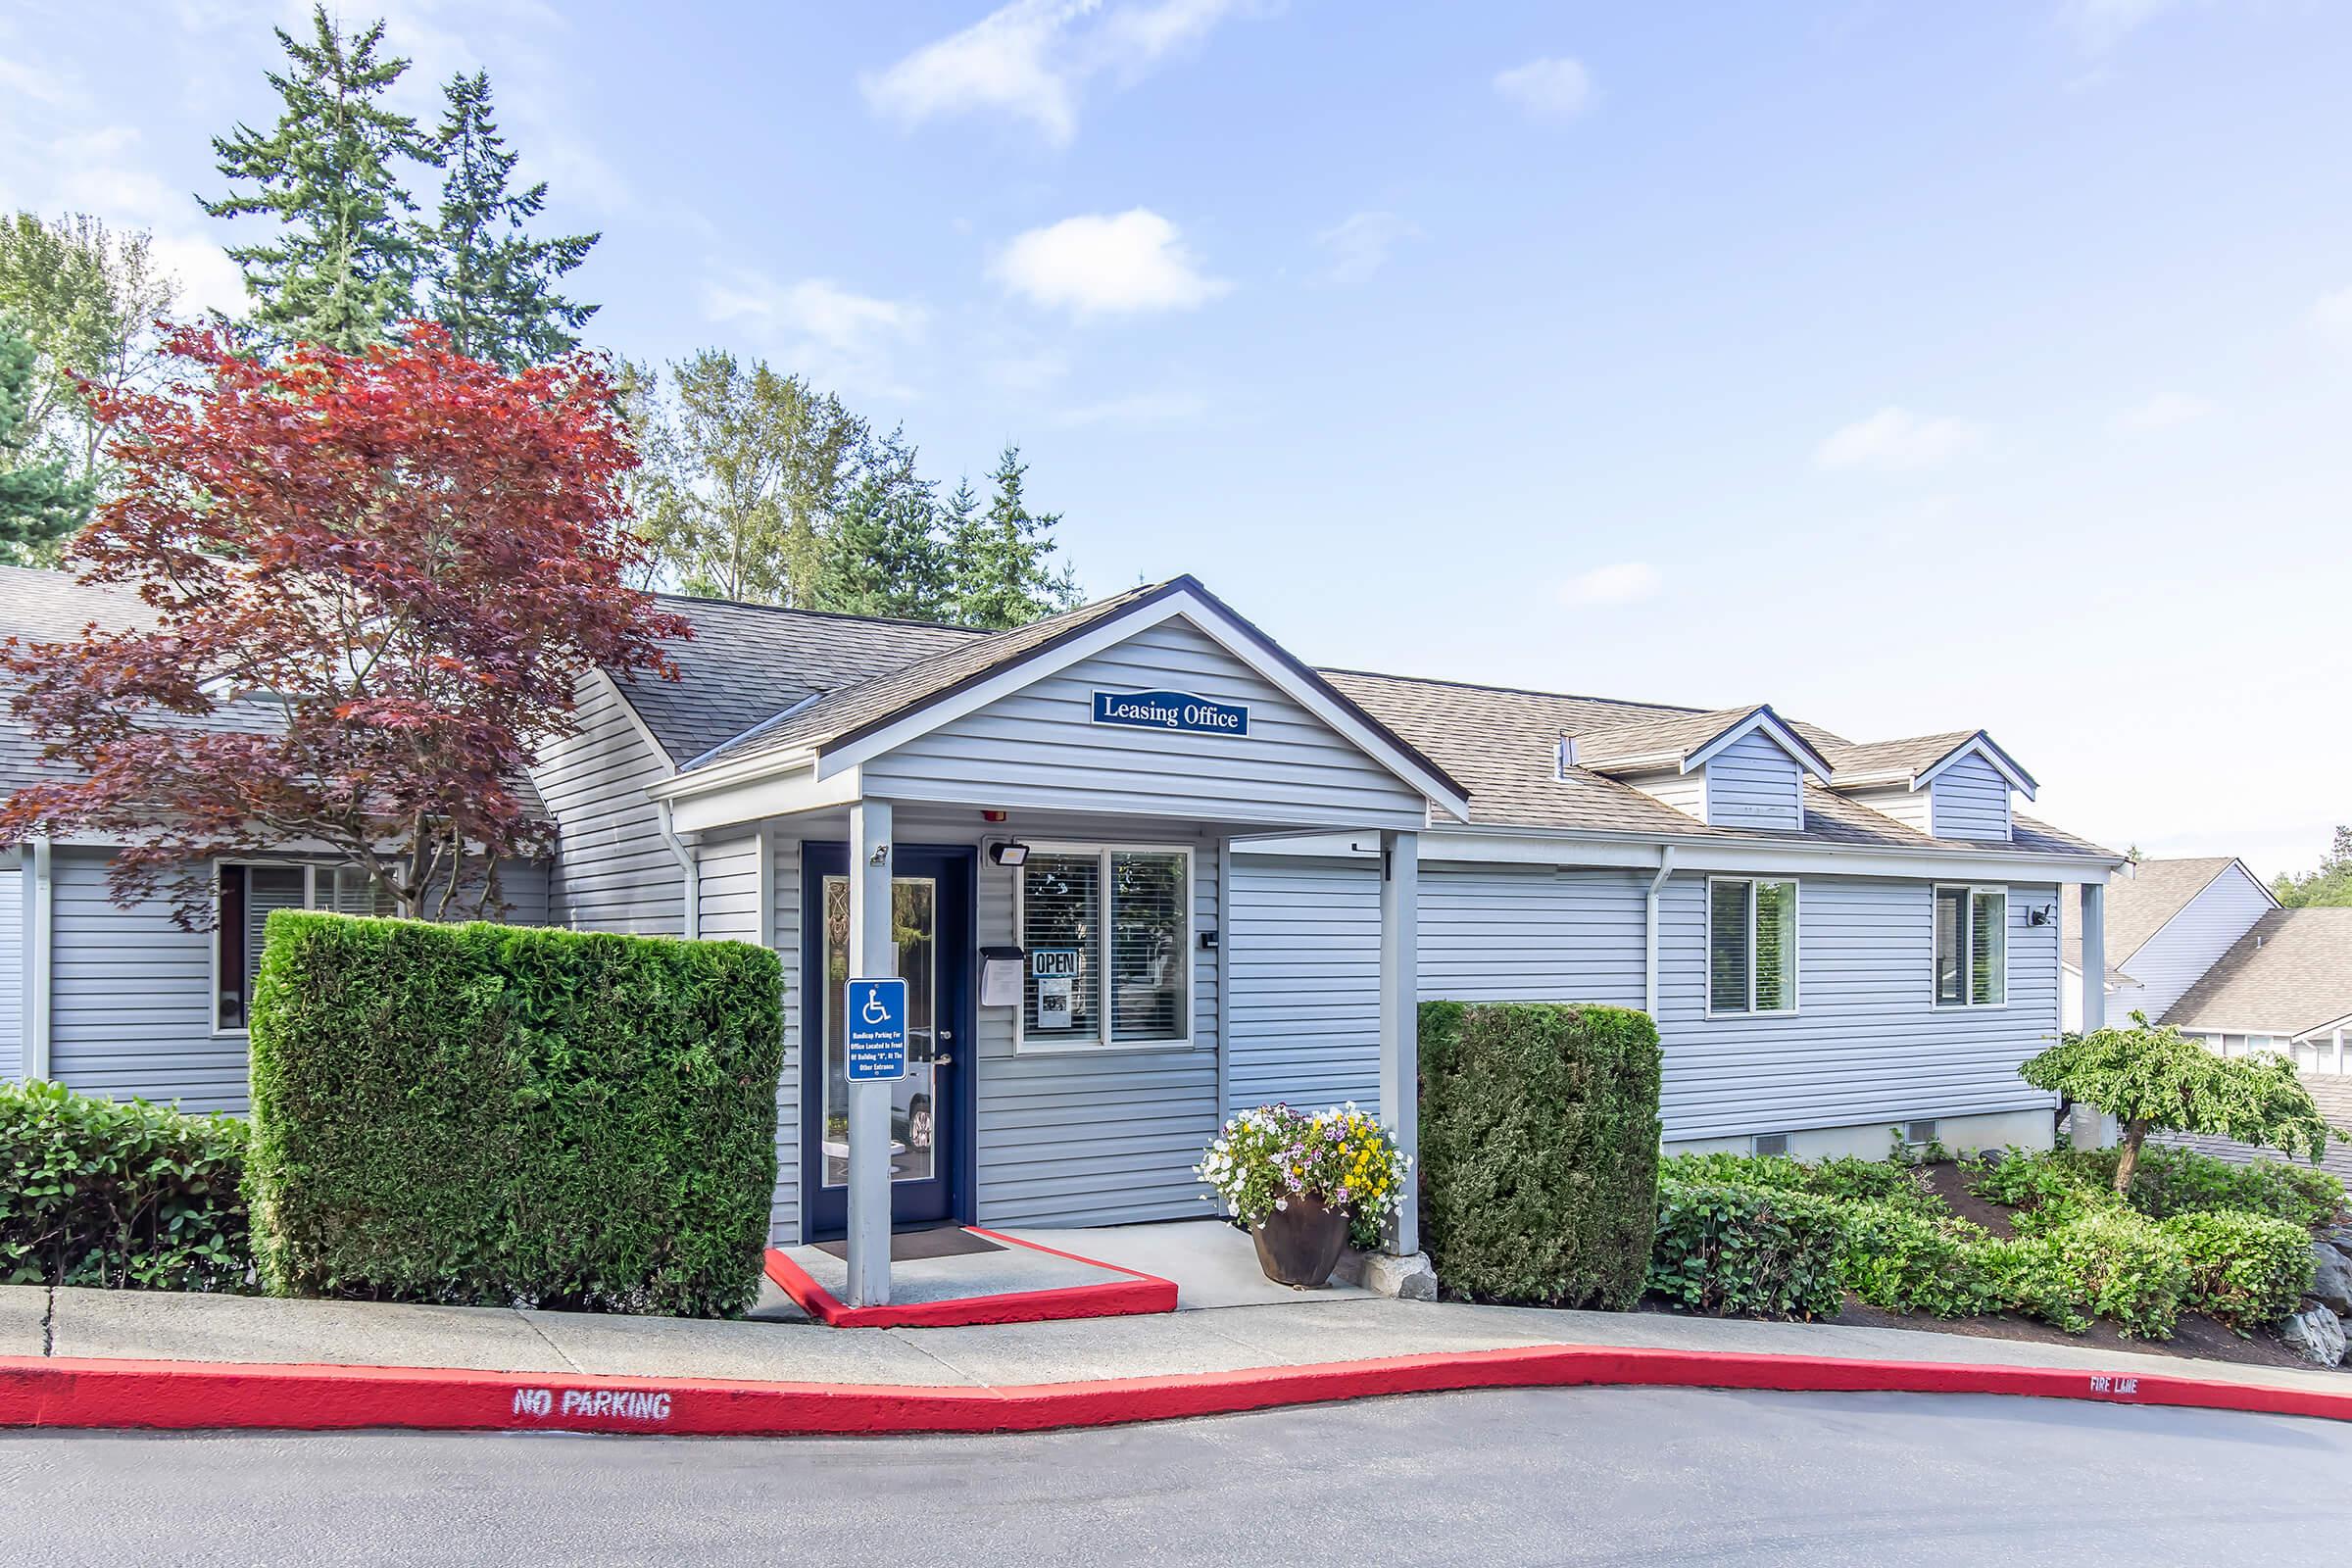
(1000, 556)
(41, 501)
(492, 285)
(885, 555)
(344, 267)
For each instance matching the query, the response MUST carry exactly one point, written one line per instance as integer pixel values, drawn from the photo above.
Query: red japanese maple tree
(370, 583)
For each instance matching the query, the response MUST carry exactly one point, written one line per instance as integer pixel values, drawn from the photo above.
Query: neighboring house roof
(2290, 974)
(2143, 903)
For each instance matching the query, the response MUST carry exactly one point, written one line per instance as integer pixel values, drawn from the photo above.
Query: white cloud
(1106, 265)
(2331, 314)
(2164, 412)
(1895, 440)
(1030, 60)
(1360, 244)
(846, 342)
(1140, 408)
(1547, 88)
(1624, 583)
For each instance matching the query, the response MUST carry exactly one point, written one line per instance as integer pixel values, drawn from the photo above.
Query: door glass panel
(913, 1101)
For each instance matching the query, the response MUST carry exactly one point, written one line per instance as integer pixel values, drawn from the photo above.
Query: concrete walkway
(1305, 1331)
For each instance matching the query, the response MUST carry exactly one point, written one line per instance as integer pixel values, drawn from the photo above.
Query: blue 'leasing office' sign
(1180, 711)
(877, 1018)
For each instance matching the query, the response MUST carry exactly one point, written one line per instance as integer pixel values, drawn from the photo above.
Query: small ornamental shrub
(2028, 1180)
(2168, 1181)
(2244, 1269)
(1845, 1178)
(1265, 1158)
(1901, 1261)
(1539, 1150)
(119, 1194)
(500, 1115)
(2120, 1265)
(1748, 1252)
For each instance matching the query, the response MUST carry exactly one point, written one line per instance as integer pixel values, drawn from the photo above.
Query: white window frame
(1706, 919)
(1061, 1045)
(309, 901)
(1968, 946)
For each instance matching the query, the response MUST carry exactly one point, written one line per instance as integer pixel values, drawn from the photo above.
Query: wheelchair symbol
(876, 1010)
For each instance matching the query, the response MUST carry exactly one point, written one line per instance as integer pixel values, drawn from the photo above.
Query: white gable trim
(1769, 723)
(1979, 745)
(1209, 619)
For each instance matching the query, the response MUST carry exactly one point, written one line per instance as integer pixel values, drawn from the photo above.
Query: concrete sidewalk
(1310, 1331)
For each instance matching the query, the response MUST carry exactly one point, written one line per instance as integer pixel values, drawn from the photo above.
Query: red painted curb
(1139, 1292)
(187, 1396)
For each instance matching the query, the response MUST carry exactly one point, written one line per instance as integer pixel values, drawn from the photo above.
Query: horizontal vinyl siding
(130, 997)
(1906, 805)
(1040, 749)
(2176, 957)
(613, 871)
(1753, 783)
(12, 879)
(1865, 1044)
(728, 879)
(1686, 793)
(1970, 800)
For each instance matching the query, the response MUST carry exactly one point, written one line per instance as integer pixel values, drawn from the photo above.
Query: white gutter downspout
(1649, 951)
(39, 941)
(689, 876)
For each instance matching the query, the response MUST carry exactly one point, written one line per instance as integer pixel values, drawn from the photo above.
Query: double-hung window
(244, 893)
(1752, 946)
(1108, 933)
(1972, 947)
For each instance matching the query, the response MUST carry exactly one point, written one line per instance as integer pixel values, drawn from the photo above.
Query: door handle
(943, 1061)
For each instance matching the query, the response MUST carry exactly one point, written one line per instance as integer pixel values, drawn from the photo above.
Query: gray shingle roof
(1883, 759)
(1655, 740)
(2142, 905)
(2290, 973)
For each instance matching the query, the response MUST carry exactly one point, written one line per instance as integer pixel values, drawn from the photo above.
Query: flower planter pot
(1299, 1246)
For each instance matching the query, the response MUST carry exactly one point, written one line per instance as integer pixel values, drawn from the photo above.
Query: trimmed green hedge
(122, 1195)
(1539, 1150)
(494, 1114)
(1731, 1251)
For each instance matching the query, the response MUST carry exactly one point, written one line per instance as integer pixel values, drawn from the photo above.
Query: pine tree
(41, 502)
(493, 287)
(344, 267)
(999, 556)
(885, 555)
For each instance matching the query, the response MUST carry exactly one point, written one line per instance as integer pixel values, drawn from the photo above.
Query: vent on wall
(1919, 1134)
(1769, 1144)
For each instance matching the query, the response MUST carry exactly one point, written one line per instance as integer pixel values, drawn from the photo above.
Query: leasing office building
(1143, 868)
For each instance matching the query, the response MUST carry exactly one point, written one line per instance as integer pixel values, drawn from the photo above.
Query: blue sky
(1911, 367)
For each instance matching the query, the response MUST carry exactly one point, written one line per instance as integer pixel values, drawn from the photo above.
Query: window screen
(1062, 903)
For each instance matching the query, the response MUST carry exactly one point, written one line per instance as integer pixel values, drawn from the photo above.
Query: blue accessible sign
(877, 1020)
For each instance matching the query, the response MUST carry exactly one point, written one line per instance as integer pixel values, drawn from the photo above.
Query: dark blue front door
(930, 1108)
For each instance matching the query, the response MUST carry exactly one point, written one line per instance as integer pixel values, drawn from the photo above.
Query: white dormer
(1955, 786)
(1740, 768)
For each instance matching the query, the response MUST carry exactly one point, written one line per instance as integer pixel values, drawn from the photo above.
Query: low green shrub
(1901, 1261)
(2244, 1269)
(1734, 1250)
(119, 1194)
(2171, 1181)
(496, 1114)
(2023, 1179)
(2031, 1275)
(2119, 1265)
(1539, 1150)
(1845, 1179)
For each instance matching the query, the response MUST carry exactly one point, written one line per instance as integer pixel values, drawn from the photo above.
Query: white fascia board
(1539, 846)
(1779, 734)
(1119, 629)
(756, 798)
(1981, 745)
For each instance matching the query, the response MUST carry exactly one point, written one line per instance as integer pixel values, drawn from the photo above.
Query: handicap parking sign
(877, 1032)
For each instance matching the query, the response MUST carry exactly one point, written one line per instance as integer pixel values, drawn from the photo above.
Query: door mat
(942, 1240)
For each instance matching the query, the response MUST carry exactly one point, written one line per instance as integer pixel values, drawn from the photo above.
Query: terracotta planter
(1299, 1246)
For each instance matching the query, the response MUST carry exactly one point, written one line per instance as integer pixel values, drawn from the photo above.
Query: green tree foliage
(1000, 556)
(2156, 1079)
(41, 501)
(492, 285)
(343, 268)
(886, 555)
(747, 470)
(86, 298)
(2329, 886)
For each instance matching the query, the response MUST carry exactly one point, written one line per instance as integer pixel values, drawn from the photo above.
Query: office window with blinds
(1109, 934)
(1752, 946)
(1971, 947)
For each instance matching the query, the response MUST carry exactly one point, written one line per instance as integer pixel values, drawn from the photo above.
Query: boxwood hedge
(1539, 1150)
(495, 1115)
